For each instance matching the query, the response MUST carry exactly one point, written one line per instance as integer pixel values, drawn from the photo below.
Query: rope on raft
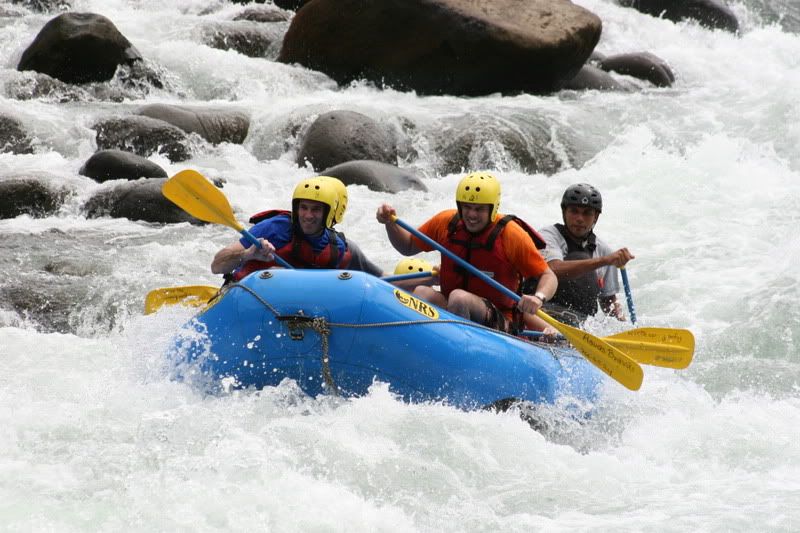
(323, 328)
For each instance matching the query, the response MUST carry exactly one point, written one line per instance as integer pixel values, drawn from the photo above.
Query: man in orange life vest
(501, 246)
(304, 237)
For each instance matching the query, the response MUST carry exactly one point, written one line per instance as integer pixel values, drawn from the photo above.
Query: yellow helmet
(479, 188)
(318, 189)
(341, 193)
(411, 265)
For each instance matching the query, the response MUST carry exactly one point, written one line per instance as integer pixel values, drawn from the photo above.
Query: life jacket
(578, 294)
(298, 252)
(485, 252)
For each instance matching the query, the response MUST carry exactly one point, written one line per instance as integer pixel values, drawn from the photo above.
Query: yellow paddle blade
(604, 356)
(189, 295)
(667, 347)
(192, 192)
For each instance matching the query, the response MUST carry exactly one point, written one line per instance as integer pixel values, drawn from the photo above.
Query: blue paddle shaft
(255, 242)
(436, 246)
(412, 275)
(628, 295)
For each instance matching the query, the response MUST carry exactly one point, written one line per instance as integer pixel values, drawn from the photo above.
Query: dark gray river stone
(13, 137)
(120, 165)
(214, 125)
(642, 65)
(137, 200)
(28, 195)
(78, 48)
(377, 176)
(341, 136)
(143, 136)
(712, 14)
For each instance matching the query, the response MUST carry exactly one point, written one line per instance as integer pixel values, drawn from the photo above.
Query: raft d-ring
(265, 274)
(345, 275)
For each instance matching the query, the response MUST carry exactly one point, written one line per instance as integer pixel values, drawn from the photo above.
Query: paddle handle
(536, 334)
(628, 294)
(436, 246)
(255, 242)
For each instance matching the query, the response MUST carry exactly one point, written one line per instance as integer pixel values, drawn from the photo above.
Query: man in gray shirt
(586, 267)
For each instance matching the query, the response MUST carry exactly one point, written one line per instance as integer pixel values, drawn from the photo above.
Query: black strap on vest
(589, 246)
(578, 294)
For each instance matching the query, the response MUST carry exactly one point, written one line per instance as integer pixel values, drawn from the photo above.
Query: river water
(701, 181)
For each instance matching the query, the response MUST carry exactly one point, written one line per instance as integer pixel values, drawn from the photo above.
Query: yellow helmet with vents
(479, 188)
(411, 265)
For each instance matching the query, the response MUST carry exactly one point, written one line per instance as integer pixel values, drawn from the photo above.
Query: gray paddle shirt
(557, 248)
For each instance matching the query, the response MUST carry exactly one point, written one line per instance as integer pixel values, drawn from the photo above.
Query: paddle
(628, 294)
(192, 192)
(403, 277)
(604, 356)
(191, 295)
(665, 347)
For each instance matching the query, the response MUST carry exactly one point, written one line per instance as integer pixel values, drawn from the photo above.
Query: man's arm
(400, 238)
(233, 255)
(578, 267)
(359, 261)
(529, 263)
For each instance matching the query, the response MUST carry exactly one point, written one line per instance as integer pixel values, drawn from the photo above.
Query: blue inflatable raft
(335, 331)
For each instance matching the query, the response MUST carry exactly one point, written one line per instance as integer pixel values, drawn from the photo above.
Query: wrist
(540, 295)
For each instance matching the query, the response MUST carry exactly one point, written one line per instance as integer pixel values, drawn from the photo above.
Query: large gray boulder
(463, 47)
(214, 125)
(120, 165)
(482, 141)
(143, 136)
(13, 137)
(137, 200)
(49, 308)
(264, 14)
(27, 195)
(712, 14)
(253, 39)
(44, 6)
(340, 136)
(376, 176)
(79, 48)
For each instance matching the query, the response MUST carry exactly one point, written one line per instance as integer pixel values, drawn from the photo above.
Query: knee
(424, 292)
(460, 303)
(458, 298)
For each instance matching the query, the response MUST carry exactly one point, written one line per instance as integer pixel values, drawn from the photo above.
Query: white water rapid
(701, 181)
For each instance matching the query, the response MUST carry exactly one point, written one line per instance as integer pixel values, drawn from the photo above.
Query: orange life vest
(485, 252)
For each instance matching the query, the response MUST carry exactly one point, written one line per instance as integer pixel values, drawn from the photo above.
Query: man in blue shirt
(304, 236)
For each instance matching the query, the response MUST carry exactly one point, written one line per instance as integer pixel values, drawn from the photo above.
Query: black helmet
(584, 195)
